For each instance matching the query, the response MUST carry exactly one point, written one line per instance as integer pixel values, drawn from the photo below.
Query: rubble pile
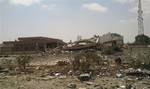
(61, 67)
(82, 44)
(83, 64)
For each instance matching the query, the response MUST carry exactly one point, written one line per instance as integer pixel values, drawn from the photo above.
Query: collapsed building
(36, 44)
(81, 44)
(112, 39)
(29, 45)
(109, 39)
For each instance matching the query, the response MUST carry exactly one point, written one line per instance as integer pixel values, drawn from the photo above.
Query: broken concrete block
(84, 77)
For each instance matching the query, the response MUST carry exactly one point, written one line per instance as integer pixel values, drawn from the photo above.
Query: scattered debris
(84, 64)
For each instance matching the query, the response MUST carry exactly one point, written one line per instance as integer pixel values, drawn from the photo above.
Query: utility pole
(140, 19)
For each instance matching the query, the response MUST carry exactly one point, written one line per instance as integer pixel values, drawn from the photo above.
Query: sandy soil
(35, 81)
(31, 81)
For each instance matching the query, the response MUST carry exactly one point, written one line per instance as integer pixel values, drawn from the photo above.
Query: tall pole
(140, 19)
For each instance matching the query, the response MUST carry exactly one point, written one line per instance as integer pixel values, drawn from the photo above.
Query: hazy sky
(66, 19)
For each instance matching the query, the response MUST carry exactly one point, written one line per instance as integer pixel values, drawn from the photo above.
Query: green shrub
(7, 63)
(22, 61)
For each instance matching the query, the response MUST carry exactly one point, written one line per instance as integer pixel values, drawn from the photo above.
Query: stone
(40, 68)
(44, 78)
(72, 85)
(90, 83)
(62, 77)
(84, 77)
(118, 75)
(50, 77)
(82, 88)
(100, 87)
(57, 74)
(28, 79)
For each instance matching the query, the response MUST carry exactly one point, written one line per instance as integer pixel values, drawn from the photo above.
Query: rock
(82, 88)
(40, 68)
(122, 87)
(72, 85)
(44, 78)
(100, 87)
(62, 77)
(90, 83)
(84, 77)
(17, 69)
(57, 74)
(21, 86)
(128, 86)
(70, 72)
(96, 85)
(118, 75)
(50, 77)
(28, 79)
(37, 78)
(14, 72)
(37, 68)
(5, 70)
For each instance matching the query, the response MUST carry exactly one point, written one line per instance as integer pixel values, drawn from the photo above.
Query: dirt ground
(30, 81)
(36, 80)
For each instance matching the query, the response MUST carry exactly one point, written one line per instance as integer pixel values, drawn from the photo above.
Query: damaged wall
(30, 45)
(112, 39)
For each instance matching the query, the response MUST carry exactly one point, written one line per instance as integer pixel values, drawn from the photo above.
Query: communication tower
(140, 19)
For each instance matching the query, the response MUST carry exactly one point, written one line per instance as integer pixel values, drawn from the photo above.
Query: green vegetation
(115, 34)
(142, 39)
(22, 61)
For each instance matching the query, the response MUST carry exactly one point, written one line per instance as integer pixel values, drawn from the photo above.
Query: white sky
(66, 19)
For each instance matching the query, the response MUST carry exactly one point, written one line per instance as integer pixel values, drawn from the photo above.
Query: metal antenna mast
(140, 19)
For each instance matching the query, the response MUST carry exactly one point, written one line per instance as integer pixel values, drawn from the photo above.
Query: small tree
(142, 39)
(22, 61)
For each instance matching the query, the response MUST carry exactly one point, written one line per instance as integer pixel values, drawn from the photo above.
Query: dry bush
(83, 61)
(22, 61)
(7, 63)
